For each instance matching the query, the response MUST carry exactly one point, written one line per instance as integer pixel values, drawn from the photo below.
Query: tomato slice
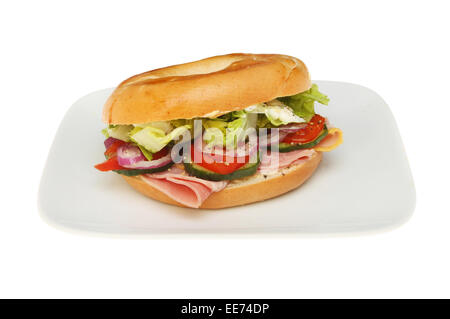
(308, 133)
(221, 167)
(109, 165)
(112, 150)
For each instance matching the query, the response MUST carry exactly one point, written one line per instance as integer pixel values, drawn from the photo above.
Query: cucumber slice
(203, 173)
(287, 147)
(134, 172)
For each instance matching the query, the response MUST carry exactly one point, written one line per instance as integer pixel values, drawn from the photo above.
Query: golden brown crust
(222, 83)
(245, 193)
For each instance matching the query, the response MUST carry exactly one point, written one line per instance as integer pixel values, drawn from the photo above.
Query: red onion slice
(163, 161)
(128, 154)
(110, 141)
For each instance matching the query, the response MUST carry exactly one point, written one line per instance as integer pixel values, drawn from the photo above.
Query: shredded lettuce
(303, 103)
(276, 112)
(226, 130)
(215, 123)
(215, 131)
(263, 121)
(153, 138)
(236, 128)
(105, 132)
(181, 122)
(118, 131)
(148, 155)
(162, 125)
(227, 117)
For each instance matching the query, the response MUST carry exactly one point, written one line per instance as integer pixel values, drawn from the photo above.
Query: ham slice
(187, 190)
(270, 164)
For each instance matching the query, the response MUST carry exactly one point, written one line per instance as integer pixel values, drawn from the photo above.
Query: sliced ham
(187, 190)
(180, 174)
(270, 164)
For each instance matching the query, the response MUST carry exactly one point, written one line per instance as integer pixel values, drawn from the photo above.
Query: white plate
(365, 184)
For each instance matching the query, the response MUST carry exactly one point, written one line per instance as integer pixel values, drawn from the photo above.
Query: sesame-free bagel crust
(205, 88)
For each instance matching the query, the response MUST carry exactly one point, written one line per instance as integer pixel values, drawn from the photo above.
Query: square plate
(365, 184)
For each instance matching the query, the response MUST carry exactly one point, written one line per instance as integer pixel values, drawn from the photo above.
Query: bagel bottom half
(243, 191)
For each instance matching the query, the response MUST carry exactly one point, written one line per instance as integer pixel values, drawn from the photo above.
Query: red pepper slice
(109, 165)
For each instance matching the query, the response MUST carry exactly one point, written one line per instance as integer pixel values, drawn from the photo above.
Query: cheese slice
(331, 141)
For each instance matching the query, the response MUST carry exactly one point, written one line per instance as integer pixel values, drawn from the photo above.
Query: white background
(53, 52)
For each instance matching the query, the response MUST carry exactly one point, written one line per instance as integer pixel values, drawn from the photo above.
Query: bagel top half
(205, 88)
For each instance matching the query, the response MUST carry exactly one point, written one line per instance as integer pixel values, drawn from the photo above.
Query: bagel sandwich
(219, 132)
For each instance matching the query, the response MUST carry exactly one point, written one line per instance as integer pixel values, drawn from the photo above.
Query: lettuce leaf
(236, 128)
(153, 138)
(162, 125)
(148, 155)
(303, 103)
(215, 131)
(118, 131)
(277, 113)
(182, 122)
(226, 130)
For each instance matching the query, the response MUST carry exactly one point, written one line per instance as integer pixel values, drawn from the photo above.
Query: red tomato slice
(112, 150)
(220, 167)
(308, 133)
(109, 165)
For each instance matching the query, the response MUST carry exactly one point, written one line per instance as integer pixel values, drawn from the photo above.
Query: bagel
(140, 114)
(205, 88)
